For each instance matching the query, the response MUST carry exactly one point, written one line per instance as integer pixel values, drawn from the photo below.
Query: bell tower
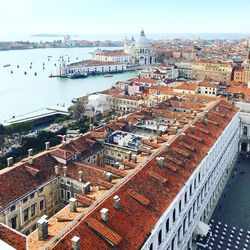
(247, 66)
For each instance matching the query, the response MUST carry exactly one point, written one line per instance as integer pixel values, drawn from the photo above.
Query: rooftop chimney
(133, 157)
(30, 160)
(9, 161)
(56, 170)
(117, 202)
(47, 145)
(86, 187)
(105, 214)
(30, 152)
(183, 136)
(76, 243)
(159, 161)
(192, 129)
(80, 175)
(65, 171)
(73, 204)
(108, 176)
(42, 226)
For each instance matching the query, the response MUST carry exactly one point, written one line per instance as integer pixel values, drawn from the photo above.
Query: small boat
(11, 71)
(55, 64)
(43, 68)
(31, 63)
(6, 65)
(35, 74)
(25, 72)
(30, 67)
(108, 75)
(17, 66)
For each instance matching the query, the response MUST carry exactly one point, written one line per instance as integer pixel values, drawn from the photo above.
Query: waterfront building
(212, 69)
(118, 56)
(139, 52)
(91, 67)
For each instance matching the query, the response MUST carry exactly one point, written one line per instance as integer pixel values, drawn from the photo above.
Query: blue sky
(124, 16)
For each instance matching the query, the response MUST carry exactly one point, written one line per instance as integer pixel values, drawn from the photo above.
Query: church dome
(142, 41)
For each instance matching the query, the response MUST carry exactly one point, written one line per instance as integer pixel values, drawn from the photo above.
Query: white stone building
(194, 204)
(141, 51)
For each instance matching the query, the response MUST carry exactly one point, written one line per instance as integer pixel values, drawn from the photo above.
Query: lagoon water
(20, 93)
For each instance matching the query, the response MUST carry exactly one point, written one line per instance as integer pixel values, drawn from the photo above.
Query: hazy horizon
(19, 17)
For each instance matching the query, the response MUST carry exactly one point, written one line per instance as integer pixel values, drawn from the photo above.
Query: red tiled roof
(13, 238)
(19, 180)
(134, 221)
(187, 86)
(104, 231)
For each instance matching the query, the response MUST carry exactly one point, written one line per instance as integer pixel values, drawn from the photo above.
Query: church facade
(140, 51)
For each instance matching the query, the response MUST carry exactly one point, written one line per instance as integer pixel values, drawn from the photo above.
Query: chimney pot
(193, 129)
(133, 156)
(65, 171)
(206, 114)
(73, 204)
(160, 161)
(30, 160)
(30, 152)
(108, 176)
(183, 136)
(117, 202)
(80, 175)
(9, 161)
(86, 187)
(47, 145)
(105, 214)
(56, 170)
(42, 225)
(76, 243)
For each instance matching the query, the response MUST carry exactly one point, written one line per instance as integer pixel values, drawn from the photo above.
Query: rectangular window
(55, 196)
(41, 190)
(32, 195)
(13, 222)
(25, 214)
(33, 210)
(41, 205)
(13, 208)
(68, 195)
(25, 200)
(62, 194)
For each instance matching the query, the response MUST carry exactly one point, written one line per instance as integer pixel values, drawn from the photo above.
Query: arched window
(245, 131)
(174, 215)
(151, 246)
(167, 225)
(160, 237)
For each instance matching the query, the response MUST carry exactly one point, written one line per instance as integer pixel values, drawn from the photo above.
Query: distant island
(51, 35)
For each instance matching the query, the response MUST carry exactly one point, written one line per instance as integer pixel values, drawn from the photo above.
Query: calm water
(20, 93)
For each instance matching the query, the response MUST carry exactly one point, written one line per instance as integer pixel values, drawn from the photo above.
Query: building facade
(211, 69)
